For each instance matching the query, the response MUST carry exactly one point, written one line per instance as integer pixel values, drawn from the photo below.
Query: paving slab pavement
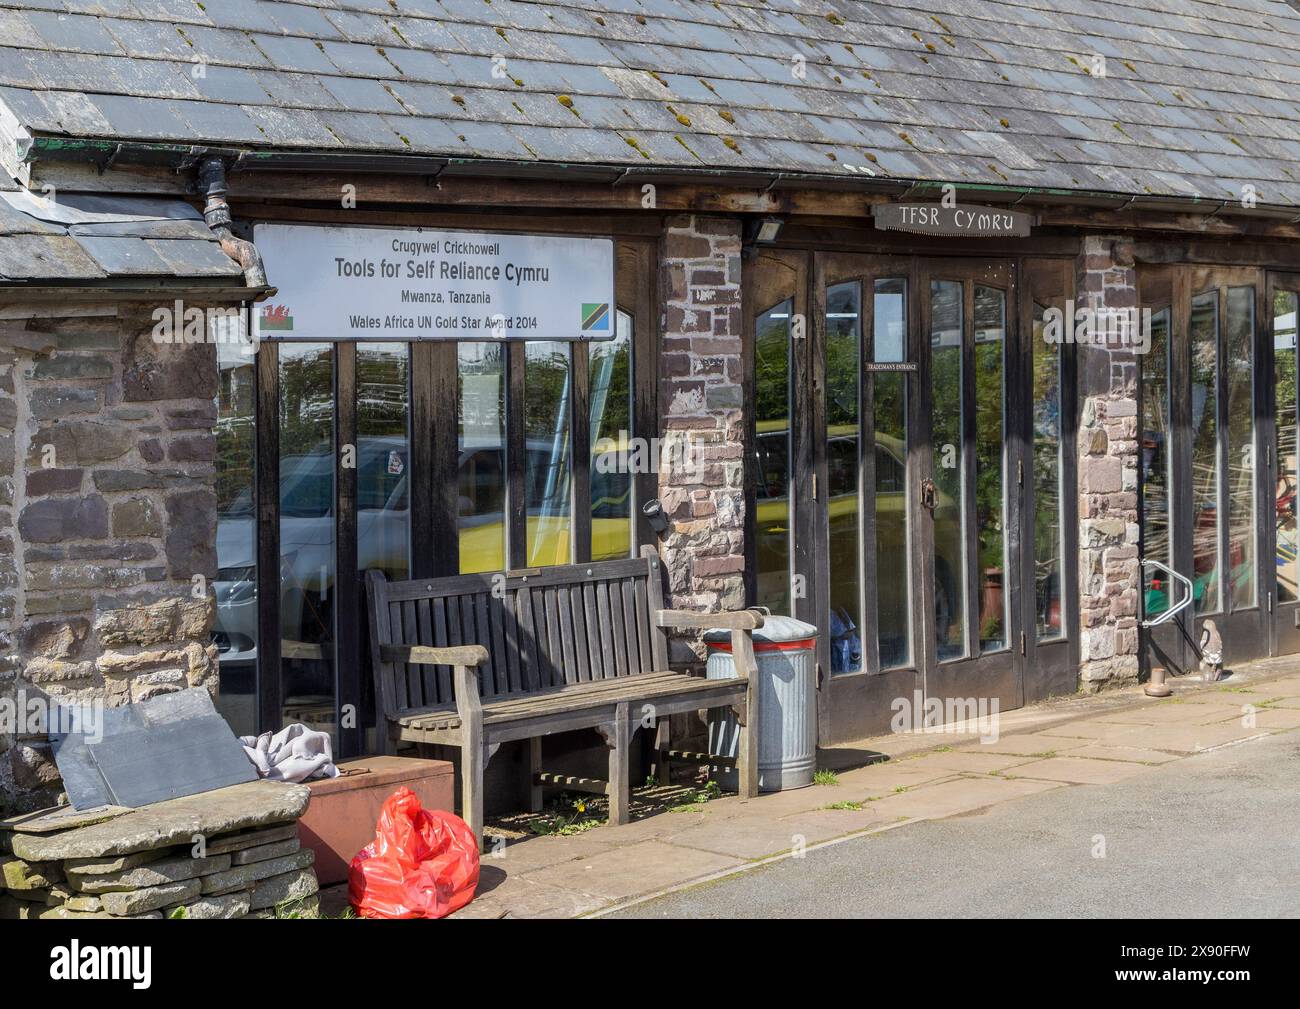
(885, 783)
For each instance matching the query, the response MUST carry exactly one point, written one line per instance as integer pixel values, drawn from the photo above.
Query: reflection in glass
(383, 479)
(235, 629)
(1156, 542)
(610, 414)
(1238, 351)
(1205, 454)
(547, 471)
(843, 330)
(1048, 550)
(893, 569)
(383, 459)
(1285, 305)
(481, 448)
(947, 394)
(307, 552)
(772, 457)
(990, 502)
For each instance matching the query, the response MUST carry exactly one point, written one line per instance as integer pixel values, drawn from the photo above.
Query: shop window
(383, 458)
(990, 437)
(307, 535)
(1048, 469)
(1156, 440)
(481, 446)
(235, 626)
(772, 458)
(548, 387)
(947, 380)
(843, 368)
(1285, 305)
(1206, 514)
(892, 527)
(613, 453)
(1239, 368)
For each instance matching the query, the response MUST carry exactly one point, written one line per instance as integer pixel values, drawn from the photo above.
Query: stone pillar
(1109, 575)
(107, 521)
(701, 399)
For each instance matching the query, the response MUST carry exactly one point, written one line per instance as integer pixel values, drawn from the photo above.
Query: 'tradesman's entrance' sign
(343, 283)
(955, 221)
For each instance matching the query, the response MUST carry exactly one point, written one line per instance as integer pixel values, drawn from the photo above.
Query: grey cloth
(295, 753)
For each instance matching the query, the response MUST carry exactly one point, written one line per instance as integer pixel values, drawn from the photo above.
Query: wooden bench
(478, 660)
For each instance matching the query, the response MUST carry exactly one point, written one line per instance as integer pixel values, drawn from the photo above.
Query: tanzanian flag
(595, 317)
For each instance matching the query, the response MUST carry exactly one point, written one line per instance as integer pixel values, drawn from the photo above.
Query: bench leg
(618, 739)
(663, 771)
(473, 760)
(534, 769)
(747, 745)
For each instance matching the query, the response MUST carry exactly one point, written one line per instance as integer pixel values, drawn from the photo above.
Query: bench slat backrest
(542, 628)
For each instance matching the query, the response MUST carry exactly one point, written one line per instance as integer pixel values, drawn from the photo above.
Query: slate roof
(1197, 100)
(95, 239)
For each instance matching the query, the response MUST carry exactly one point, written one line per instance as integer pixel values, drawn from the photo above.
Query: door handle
(929, 495)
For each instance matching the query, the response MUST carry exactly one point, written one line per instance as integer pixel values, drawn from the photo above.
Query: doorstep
(883, 783)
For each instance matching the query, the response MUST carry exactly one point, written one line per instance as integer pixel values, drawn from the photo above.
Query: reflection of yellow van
(773, 518)
(482, 496)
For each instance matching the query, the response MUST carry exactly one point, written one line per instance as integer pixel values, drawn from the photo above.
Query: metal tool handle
(1183, 603)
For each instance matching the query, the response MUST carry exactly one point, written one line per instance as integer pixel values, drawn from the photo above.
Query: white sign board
(341, 283)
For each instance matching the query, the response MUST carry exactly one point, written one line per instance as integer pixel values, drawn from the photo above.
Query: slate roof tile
(99, 238)
(1204, 95)
(73, 32)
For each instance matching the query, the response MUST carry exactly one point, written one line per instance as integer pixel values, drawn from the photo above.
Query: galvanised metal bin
(787, 720)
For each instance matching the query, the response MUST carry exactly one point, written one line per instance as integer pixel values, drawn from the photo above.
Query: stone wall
(107, 515)
(1109, 575)
(701, 479)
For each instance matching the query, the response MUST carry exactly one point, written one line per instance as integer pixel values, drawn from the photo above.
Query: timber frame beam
(834, 198)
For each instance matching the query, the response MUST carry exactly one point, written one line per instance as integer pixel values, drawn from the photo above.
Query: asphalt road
(1214, 835)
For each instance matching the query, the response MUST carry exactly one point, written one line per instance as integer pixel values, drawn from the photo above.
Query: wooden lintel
(384, 192)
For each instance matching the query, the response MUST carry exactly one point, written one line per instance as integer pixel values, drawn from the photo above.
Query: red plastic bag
(422, 863)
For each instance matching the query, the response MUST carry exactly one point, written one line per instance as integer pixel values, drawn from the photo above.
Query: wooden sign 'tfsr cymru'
(955, 221)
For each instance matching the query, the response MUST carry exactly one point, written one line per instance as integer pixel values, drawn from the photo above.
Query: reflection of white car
(307, 546)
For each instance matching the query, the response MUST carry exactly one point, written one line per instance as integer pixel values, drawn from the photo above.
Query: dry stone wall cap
(776, 629)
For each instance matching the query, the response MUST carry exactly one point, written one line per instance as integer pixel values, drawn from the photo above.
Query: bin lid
(776, 629)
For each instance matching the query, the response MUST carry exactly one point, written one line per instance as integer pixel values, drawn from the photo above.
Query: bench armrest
(464, 660)
(424, 655)
(735, 620)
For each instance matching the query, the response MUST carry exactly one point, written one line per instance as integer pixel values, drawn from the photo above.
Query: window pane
(1205, 451)
(1285, 305)
(1048, 550)
(481, 448)
(772, 456)
(1238, 348)
(843, 338)
(610, 411)
(990, 511)
(1156, 542)
(546, 474)
(949, 541)
(307, 535)
(893, 590)
(234, 631)
(383, 459)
